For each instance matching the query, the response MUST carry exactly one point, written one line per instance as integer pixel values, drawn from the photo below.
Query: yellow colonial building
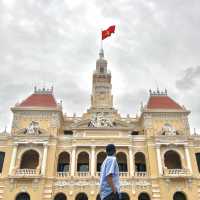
(51, 156)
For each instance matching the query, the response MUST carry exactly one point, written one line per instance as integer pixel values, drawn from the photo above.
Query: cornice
(19, 108)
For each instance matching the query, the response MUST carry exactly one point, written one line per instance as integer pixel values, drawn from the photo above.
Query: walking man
(109, 179)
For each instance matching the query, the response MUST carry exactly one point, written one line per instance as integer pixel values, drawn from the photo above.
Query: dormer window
(68, 132)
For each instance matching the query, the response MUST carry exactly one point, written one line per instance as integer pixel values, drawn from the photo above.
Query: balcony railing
(27, 172)
(63, 174)
(82, 174)
(140, 174)
(177, 172)
(123, 174)
(98, 173)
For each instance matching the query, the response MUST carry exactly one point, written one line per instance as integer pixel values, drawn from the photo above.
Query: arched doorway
(140, 162)
(124, 196)
(172, 160)
(63, 162)
(179, 196)
(98, 197)
(100, 158)
(29, 160)
(60, 196)
(122, 162)
(23, 196)
(81, 196)
(83, 162)
(143, 196)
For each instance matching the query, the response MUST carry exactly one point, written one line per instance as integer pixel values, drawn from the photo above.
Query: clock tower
(101, 97)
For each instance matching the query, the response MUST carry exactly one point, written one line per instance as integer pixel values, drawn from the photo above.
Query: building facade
(51, 156)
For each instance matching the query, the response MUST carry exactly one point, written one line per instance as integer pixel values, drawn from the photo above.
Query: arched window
(172, 160)
(102, 69)
(140, 162)
(83, 162)
(100, 158)
(63, 162)
(98, 197)
(60, 196)
(2, 156)
(198, 160)
(122, 161)
(143, 196)
(124, 196)
(23, 196)
(29, 160)
(81, 196)
(179, 196)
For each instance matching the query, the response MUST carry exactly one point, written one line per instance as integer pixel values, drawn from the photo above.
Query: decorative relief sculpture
(169, 130)
(142, 183)
(54, 120)
(33, 129)
(138, 183)
(147, 121)
(74, 183)
(100, 120)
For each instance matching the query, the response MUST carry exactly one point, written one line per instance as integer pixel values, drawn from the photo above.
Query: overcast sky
(56, 42)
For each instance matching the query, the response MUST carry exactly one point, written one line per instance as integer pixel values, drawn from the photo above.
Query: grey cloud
(189, 79)
(56, 43)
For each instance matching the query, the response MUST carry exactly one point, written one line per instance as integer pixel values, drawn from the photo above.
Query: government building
(51, 156)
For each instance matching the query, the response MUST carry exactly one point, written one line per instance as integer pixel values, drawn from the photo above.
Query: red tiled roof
(162, 102)
(39, 100)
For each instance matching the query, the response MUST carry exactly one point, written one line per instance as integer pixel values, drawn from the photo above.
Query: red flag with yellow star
(107, 33)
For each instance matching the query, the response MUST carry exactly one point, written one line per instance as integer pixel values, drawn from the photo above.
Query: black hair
(110, 149)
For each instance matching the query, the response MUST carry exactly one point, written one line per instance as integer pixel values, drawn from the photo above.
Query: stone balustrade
(177, 172)
(123, 174)
(27, 172)
(82, 174)
(98, 173)
(140, 174)
(63, 174)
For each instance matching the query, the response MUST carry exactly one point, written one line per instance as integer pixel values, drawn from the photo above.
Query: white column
(159, 160)
(187, 154)
(13, 159)
(93, 163)
(44, 159)
(73, 161)
(131, 168)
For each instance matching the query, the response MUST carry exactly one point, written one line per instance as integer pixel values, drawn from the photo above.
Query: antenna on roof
(52, 88)
(150, 92)
(165, 91)
(35, 89)
(195, 131)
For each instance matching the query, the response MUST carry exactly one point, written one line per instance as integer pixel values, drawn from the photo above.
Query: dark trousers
(112, 196)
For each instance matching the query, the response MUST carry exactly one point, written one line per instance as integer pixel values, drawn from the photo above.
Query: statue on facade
(99, 120)
(168, 130)
(33, 128)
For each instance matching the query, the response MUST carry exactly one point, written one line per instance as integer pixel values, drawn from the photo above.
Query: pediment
(86, 124)
(24, 131)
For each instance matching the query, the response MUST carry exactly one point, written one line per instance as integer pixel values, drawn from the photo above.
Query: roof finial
(150, 92)
(5, 130)
(195, 133)
(101, 53)
(165, 91)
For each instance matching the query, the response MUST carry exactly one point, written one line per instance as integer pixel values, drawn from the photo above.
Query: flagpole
(101, 43)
